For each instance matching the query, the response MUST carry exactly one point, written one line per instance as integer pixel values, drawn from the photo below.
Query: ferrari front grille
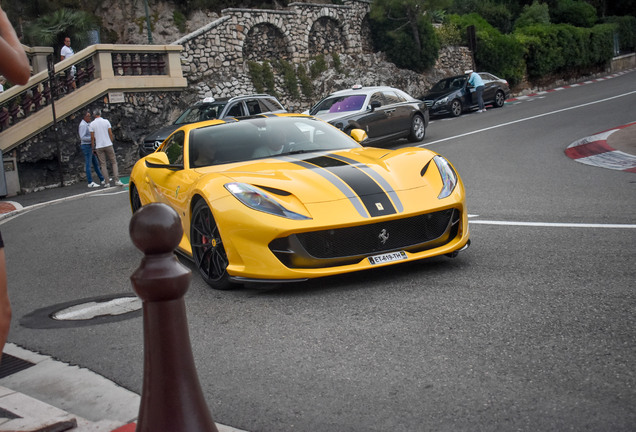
(341, 246)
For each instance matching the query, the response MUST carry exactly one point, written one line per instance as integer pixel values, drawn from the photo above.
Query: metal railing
(88, 75)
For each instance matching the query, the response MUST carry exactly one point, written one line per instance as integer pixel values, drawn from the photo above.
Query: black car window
(442, 85)
(253, 107)
(269, 105)
(458, 83)
(174, 148)
(235, 111)
(377, 96)
(392, 97)
(486, 76)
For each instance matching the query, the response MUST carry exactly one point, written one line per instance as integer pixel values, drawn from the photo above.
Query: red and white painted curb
(540, 93)
(594, 150)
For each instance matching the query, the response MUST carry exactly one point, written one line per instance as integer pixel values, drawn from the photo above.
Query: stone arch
(265, 41)
(326, 36)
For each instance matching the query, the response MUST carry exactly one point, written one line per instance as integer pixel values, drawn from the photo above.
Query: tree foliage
(536, 13)
(575, 12)
(402, 30)
(52, 28)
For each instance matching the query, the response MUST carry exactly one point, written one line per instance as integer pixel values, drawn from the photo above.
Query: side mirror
(375, 104)
(359, 135)
(160, 160)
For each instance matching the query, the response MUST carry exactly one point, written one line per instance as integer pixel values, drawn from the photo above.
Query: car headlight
(449, 176)
(256, 199)
(442, 101)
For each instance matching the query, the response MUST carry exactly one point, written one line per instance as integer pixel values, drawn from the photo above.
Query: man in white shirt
(87, 149)
(102, 142)
(67, 52)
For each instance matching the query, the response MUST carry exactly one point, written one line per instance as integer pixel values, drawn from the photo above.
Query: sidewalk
(40, 394)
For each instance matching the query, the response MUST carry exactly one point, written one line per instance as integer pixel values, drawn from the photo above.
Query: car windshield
(262, 137)
(449, 84)
(340, 104)
(201, 112)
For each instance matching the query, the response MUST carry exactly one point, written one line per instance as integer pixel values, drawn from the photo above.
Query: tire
(418, 129)
(456, 108)
(135, 201)
(208, 251)
(500, 99)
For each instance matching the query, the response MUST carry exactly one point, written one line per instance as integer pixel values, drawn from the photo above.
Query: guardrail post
(171, 398)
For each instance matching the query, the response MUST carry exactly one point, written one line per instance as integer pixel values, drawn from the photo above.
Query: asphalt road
(532, 328)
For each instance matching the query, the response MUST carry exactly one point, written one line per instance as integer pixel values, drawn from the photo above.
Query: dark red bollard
(171, 398)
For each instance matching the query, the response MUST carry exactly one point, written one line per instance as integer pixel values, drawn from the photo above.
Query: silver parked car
(211, 108)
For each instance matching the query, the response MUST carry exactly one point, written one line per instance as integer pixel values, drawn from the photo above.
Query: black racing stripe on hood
(374, 198)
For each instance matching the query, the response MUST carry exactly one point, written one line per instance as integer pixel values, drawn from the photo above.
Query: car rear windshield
(201, 113)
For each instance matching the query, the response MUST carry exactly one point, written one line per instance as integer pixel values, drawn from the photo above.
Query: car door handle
(390, 111)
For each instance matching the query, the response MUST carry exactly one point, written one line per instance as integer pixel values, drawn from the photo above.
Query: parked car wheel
(418, 129)
(456, 108)
(207, 248)
(500, 98)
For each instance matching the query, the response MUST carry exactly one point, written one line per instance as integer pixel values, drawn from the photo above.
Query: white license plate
(387, 257)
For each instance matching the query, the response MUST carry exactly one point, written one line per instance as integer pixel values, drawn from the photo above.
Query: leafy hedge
(626, 31)
(539, 49)
(501, 54)
(560, 47)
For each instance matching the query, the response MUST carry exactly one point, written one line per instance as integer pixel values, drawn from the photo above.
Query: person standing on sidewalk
(102, 141)
(475, 80)
(89, 154)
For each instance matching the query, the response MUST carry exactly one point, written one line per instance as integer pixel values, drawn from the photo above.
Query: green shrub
(318, 66)
(575, 12)
(502, 55)
(305, 83)
(626, 31)
(256, 73)
(179, 20)
(289, 78)
(602, 43)
(449, 35)
(536, 13)
(268, 79)
(337, 64)
(543, 53)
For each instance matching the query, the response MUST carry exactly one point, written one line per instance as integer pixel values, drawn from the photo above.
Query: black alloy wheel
(207, 248)
(456, 108)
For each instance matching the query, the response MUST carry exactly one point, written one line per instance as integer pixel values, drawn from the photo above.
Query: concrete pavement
(38, 393)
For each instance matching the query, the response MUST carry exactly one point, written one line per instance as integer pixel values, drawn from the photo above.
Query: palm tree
(52, 28)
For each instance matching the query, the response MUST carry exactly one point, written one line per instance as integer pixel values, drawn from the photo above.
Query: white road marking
(527, 119)
(554, 224)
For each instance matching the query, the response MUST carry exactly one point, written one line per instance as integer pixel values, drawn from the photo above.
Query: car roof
(234, 98)
(364, 90)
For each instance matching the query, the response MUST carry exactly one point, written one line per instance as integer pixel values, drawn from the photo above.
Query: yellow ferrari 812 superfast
(288, 197)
